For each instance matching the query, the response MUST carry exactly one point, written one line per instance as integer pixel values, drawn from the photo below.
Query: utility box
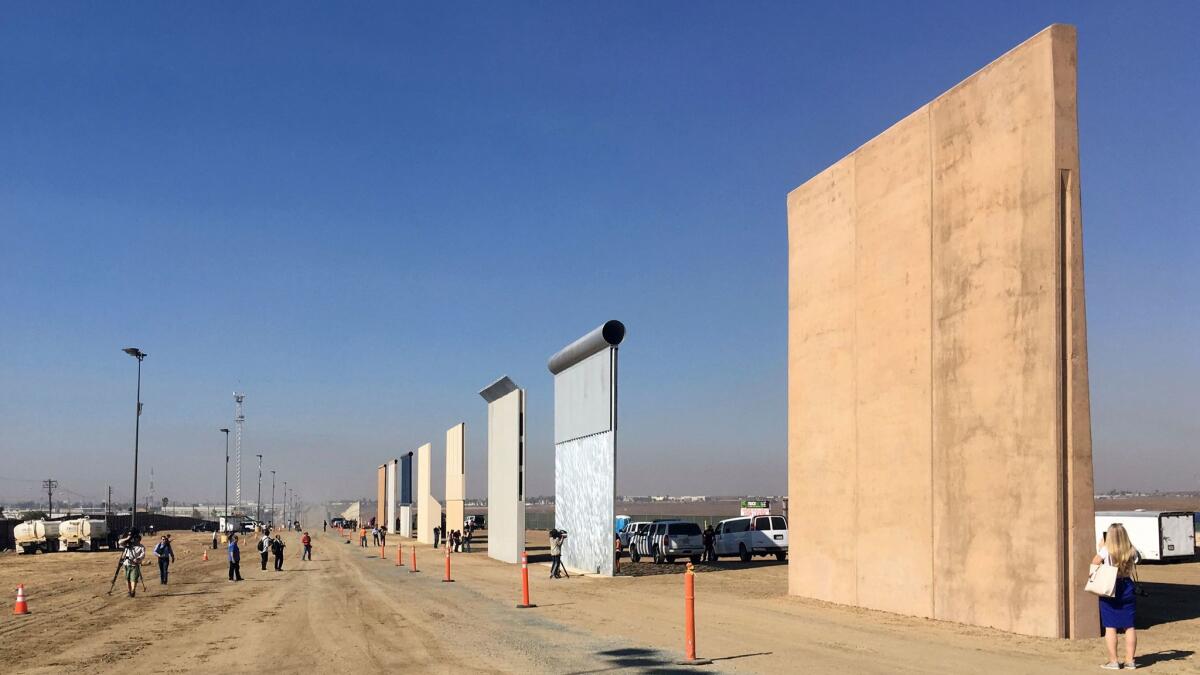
(1157, 535)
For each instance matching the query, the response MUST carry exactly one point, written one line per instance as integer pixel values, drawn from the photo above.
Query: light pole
(258, 501)
(137, 422)
(272, 497)
(285, 502)
(226, 432)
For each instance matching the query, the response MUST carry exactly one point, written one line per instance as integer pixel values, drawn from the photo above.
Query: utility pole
(226, 432)
(49, 484)
(139, 355)
(258, 500)
(285, 489)
(272, 497)
(239, 418)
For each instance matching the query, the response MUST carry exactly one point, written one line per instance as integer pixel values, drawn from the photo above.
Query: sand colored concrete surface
(506, 477)
(429, 511)
(938, 401)
(456, 475)
(347, 611)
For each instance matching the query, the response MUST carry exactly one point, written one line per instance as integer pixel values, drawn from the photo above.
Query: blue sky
(362, 214)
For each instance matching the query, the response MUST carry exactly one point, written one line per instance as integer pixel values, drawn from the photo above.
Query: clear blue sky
(363, 213)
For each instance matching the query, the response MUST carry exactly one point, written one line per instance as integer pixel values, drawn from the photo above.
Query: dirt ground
(348, 610)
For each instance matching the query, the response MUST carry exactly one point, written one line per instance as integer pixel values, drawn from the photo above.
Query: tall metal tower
(239, 418)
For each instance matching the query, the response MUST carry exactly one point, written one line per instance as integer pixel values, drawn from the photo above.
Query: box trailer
(1157, 535)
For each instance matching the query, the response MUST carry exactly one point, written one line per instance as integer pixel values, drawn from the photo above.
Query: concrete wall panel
(892, 369)
(427, 519)
(391, 496)
(456, 478)
(506, 477)
(821, 387)
(995, 347)
(938, 407)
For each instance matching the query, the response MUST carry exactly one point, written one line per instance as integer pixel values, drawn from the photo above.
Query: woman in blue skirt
(1117, 612)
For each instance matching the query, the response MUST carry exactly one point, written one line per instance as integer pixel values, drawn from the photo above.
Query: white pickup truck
(749, 536)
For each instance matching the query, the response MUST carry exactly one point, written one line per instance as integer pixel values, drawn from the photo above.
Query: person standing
(235, 559)
(709, 538)
(166, 556)
(214, 540)
(277, 550)
(306, 541)
(382, 536)
(362, 537)
(437, 533)
(131, 560)
(324, 525)
(1117, 613)
(467, 540)
(556, 566)
(264, 548)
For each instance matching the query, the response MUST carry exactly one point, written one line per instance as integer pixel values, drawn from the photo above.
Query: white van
(750, 536)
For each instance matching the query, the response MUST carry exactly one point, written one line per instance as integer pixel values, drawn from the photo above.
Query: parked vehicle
(82, 534)
(666, 540)
(476, 521)
(206, 526)
(1157, 535)
(32, 536)
(752, 536)
(633, 528)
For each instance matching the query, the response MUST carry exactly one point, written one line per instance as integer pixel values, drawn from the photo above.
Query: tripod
(117, 573)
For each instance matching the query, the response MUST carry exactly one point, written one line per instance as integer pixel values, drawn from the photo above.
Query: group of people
(459, 541)
(378, 535)
(267, 546)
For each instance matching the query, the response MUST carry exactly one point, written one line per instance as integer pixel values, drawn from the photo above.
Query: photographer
(557, 538)
(131, 559)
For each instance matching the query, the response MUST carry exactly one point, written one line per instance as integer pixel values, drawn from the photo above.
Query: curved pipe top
(608, 334)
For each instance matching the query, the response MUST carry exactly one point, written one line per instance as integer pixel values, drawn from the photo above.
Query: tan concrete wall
(939, 443)
(456, 477)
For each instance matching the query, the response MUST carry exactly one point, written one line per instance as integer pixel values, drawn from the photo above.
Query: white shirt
(1104, 556)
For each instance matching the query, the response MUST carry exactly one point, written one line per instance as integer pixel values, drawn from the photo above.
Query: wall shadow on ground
(649, 569)
(1167, 603)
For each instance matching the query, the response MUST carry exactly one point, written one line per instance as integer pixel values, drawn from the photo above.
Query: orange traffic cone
(205, 555)
(21, 607)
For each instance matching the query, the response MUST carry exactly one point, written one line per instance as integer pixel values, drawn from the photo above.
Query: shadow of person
(1165, 655)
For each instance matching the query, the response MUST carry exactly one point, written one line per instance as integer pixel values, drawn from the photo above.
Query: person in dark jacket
(277, 546)
(235, 559)
(166, 556)
(710, 535)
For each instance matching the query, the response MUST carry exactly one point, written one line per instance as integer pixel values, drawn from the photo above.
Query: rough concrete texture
(938, 427)
(381, 495)
(506, 477)
(456, 477)
(429, 511)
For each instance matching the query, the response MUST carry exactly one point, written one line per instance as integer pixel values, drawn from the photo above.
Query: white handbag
(1102, 580)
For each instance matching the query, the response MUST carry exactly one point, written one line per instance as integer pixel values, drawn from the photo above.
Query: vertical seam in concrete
(1064, 188)
(932, 473)
(857, 489)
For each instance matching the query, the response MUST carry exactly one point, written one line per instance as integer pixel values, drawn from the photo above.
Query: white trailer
(1157, 535)
(82, 534)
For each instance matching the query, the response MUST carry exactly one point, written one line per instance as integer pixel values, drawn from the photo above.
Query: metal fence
(543, 520)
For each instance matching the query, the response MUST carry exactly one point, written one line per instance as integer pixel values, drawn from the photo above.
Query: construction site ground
(350, 611)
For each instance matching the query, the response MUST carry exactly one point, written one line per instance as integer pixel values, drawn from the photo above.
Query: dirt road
(349, 610)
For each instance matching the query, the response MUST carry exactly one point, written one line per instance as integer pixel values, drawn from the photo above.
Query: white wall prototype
(506, 470)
